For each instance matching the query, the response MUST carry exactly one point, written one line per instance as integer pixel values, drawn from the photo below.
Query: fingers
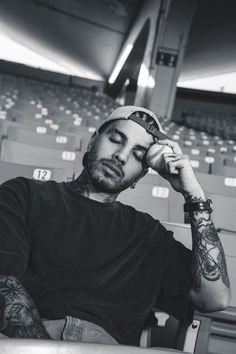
(172, 144)
(172, 163)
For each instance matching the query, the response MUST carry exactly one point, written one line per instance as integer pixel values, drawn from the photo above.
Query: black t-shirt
(102, 262)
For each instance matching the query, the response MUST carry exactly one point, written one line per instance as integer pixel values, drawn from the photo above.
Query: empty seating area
(47, 126)
(45, 129)
(213, 123)
(208, 153)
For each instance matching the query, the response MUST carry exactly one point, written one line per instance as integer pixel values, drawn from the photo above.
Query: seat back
(10, 170)
(223, 170)
(35, 126)
(220, 185)
(12, 151)
(159, 200)
(45, 140)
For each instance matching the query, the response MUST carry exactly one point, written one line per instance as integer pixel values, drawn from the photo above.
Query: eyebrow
(124, 137)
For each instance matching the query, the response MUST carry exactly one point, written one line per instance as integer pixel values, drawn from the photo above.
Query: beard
(106, 174)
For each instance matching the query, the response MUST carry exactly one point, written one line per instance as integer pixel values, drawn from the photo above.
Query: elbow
(224, 301)
(216, 304)
(212, 302)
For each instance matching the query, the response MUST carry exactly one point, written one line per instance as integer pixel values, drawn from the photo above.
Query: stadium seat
(194, 151)
(230, 161)
(152, 177)
(82, 136)
(9, 170)
(37, 128)
(223, 170)
(216, 184)
(224, 211)
(159, 200)
(169, 333)
(45, 140)
(200, 164)
(12, 151)
(156, 207)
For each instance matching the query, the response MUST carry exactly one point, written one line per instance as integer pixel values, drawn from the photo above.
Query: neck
(87, 189)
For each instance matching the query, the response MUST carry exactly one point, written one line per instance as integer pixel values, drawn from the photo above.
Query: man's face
(116, 158)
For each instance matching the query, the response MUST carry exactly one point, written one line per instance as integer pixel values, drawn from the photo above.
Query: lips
(114, 168)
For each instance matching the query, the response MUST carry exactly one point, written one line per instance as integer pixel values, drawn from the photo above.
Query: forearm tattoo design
(208, 254)
(19, 317)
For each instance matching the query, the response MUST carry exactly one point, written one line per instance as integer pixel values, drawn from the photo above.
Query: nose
(121, 156)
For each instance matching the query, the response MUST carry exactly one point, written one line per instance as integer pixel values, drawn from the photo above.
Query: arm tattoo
(208, 254)
(19, 316)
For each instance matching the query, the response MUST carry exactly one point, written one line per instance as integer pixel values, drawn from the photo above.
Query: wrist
(198, 206)
(196, 196)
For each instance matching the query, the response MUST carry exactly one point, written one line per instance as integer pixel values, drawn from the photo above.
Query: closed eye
(115, 137)
(116, 140)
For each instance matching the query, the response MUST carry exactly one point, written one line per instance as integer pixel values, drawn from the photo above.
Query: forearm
(19, 316)
(211, 286)
(211, 289)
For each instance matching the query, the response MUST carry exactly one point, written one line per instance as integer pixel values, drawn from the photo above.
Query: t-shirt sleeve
(174, 297)
(14, 233)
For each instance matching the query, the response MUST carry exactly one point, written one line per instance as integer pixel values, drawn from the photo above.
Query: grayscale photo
(117, 176)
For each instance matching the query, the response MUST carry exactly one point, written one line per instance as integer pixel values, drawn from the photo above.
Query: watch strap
(199, 206)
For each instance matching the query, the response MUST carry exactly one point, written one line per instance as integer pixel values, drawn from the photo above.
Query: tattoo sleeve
(19, 317)
(208, 254)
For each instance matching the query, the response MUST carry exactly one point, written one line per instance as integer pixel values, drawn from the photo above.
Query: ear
(144, 172)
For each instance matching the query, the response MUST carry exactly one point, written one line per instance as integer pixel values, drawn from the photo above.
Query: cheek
(132, 169)
(104, 148)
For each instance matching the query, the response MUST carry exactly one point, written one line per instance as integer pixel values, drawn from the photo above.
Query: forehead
(133, 131)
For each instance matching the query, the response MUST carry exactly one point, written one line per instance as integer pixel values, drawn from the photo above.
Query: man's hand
(211, 287)
(177, 169)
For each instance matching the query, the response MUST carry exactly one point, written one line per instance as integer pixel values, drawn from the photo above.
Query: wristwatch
(199, 206)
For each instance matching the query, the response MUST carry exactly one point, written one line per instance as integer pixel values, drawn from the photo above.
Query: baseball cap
(134, 113)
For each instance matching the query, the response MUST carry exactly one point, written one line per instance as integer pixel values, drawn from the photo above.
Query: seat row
(48, 147)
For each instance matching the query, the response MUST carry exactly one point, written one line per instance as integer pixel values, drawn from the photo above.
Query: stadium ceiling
(87, 35)
(211, 48)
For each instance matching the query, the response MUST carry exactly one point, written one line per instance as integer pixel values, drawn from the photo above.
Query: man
(78, 265)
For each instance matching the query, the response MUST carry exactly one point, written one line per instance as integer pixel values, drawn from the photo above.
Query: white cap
(125, 112)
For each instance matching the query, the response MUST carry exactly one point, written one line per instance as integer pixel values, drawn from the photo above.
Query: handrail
(36, 346)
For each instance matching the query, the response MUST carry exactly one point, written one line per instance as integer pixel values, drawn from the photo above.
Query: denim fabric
(75, 330)
(85, 331)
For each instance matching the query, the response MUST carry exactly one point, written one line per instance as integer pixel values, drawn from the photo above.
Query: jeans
(75, 330)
